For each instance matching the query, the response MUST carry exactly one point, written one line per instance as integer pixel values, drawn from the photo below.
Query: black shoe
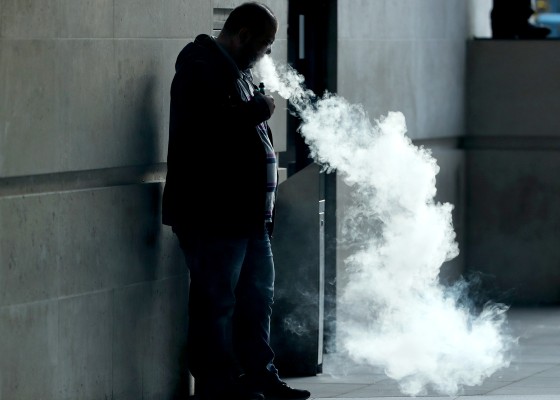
(236, 395)
(225, 391)
(248, 395)
(255, 396)
(247, 391)
(279, 390)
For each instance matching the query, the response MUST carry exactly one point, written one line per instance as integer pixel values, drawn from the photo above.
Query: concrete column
(409, 56)
(93, 289)
(513, 152)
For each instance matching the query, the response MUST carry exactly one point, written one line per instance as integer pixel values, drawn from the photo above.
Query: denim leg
(255, 295)
(215, 266)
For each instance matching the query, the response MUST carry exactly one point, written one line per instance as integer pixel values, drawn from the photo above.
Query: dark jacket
(216, 162)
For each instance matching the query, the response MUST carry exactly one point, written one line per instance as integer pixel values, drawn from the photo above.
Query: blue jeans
(230, 303)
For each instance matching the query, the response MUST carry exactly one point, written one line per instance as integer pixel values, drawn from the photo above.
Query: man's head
(248, 33)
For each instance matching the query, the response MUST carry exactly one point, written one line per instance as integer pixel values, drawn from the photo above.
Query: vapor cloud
(393, 312)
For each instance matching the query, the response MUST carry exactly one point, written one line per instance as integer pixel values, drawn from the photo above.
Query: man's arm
(206, 96)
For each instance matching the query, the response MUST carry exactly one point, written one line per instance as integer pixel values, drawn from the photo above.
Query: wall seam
(56, 300)
(71, 181)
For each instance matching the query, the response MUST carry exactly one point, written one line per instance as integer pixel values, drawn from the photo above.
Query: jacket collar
(211, 43)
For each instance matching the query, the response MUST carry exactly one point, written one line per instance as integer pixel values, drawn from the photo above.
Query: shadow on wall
(155, 317)
(143, 138)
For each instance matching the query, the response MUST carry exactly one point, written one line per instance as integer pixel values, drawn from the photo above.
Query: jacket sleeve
(208, 95)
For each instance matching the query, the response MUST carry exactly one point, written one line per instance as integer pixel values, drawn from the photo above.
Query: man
(510, 20)
(219, 199)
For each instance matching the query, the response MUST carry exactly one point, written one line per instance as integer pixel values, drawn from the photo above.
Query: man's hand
(270, 102)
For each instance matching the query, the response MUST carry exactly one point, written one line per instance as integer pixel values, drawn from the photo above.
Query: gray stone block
(430, 18)
(513, 88)
(376, 19)
(380, 75)
(170, 19)
(29, 363)
(138, 18)
(85, 346)
(128, 343)
(439, 89)
(456, 20)
(114, 237)
(184, 19)
(139, 101)
(29, 249)
(512, 235)
(4, 125)
(71, 243)
(86, 18)
(29, 18)
(86, 85)
(150, 323)
(31, 136)
(170, 260)
(171, 49)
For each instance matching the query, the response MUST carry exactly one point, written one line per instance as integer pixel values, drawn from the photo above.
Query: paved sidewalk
(533, 375)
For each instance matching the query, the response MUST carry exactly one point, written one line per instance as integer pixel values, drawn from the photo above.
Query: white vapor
(394, 312)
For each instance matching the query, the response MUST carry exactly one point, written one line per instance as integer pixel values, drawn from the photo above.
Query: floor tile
(534, 373)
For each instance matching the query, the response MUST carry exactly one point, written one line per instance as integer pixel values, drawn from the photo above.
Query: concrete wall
(479, 18)
(93, 290)
(513, 153)
(409, 56)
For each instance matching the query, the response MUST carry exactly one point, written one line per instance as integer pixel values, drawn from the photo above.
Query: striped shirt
(246, 88)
